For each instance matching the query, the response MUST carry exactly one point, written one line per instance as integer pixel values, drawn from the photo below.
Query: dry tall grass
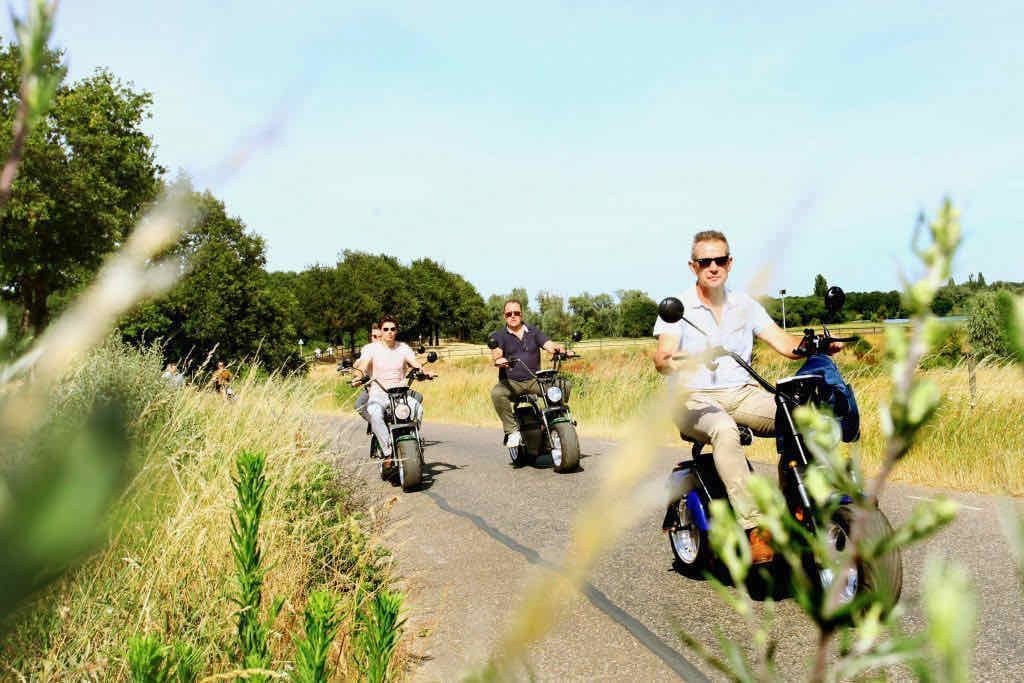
(168, 569)
(973, 449)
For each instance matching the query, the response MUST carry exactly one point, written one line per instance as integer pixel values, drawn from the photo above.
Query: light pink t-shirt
(387, 365)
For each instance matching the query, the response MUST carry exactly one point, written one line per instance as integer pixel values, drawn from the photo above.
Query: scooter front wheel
(689, 543)
(565, 447)
(410, 463)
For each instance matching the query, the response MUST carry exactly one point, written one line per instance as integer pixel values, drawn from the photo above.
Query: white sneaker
(513, 440)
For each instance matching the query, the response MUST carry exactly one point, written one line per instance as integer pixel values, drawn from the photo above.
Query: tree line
(952, 299)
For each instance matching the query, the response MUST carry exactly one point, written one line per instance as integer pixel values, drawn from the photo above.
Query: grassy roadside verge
(975, 449)
(167, 566)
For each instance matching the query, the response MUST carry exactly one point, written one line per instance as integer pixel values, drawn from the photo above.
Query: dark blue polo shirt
(528, 350)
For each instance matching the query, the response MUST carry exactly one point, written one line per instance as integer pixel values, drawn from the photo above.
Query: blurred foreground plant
(57, 479)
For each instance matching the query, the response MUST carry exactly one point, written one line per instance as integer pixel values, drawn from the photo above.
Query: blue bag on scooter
(838, 394)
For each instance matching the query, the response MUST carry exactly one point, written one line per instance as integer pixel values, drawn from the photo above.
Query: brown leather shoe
(760, 551)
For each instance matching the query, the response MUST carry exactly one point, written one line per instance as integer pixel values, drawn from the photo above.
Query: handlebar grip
(845, 339)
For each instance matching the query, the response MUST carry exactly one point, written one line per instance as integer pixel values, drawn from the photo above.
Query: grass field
(167, 568)
(972, 449)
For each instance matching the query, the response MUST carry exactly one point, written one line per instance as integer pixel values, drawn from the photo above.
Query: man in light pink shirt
(386, 362)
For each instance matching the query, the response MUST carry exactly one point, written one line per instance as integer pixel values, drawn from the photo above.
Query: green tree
(820, 285)
(637, 313)
(371, 285)
(226, 300)
(431, 284)
(553, 318)
(467, 311)
(87, 172)
(318, 290)
(594, 315)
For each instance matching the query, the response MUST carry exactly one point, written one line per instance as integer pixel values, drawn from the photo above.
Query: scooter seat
(746, 437)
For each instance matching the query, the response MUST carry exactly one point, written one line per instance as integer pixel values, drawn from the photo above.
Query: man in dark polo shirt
(516, 340)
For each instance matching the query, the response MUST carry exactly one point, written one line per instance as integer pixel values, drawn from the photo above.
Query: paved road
(470, 541)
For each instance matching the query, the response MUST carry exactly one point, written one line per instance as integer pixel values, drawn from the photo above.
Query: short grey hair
(708, 236)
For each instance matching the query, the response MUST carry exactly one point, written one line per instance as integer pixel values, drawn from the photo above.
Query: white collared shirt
(742, 319)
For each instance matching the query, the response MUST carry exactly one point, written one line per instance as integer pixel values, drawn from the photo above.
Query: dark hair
(512, 301)
(387, 318)
(708, 236)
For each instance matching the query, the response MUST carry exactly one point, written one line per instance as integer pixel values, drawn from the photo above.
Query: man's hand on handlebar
(501, 362)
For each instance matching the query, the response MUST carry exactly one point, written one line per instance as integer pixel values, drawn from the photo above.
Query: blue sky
(578, 146)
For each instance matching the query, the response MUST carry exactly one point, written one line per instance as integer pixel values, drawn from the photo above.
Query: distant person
(726, 395)
(364, 395)
(386, 362)
(172, 376)
(516, 342)
(222, 379)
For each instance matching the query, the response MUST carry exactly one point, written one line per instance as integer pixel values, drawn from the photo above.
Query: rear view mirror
(346, 363)
(421, 349)
(492, 343)
(357, 354)
(431, 357)
(671, 309)
(577, 335)
(835, 297)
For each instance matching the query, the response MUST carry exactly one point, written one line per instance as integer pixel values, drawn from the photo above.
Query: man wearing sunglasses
(386, 361)
(516, 341)
(720, 398)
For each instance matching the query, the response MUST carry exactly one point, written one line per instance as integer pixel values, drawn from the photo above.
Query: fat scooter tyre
(528, 449)
(410, 464)
(883, 575)
(695, 561)
(570, 443)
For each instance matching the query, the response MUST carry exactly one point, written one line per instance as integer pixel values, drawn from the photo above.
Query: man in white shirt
(386, 362)
(722, 397)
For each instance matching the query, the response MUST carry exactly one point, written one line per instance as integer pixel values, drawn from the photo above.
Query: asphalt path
(479, 531)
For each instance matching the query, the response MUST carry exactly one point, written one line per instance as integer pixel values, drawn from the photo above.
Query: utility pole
(782, 293)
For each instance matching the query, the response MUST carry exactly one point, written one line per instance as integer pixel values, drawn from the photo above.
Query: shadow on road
(433, 469)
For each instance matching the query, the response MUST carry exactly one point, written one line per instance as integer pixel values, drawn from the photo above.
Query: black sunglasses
(388, 329)
(719, 261)
(509, 314)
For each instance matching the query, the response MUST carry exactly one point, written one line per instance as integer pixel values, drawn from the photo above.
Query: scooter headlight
(554, 394)
(403, 411)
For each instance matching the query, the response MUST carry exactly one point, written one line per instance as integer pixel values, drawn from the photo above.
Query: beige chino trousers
(711, 416)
